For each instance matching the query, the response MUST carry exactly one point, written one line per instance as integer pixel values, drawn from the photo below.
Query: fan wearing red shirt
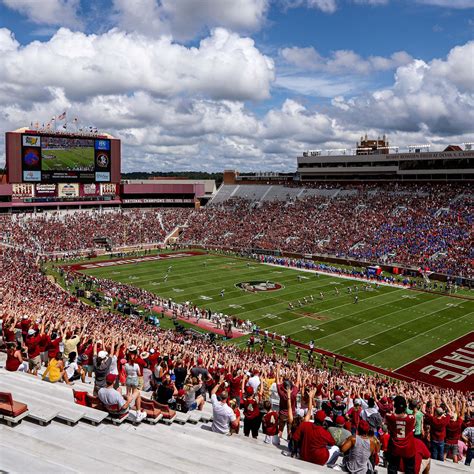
(282, 389)
(422, 458)
(270, 422)
(252, 413)
(438, 423)
(235, 386)
(453, 435)
(32, 342)
(402, 439)
(314, 439)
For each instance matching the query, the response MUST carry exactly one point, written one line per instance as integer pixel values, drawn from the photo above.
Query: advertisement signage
(108, 189)
(68, 190)
(45, 190)
(20, 191)
(91, 189)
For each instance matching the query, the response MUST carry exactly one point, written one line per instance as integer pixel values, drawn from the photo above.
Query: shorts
(132, 382)
(451, 449)
(35, 363)
(44, 357)
(193, 406)
(88, 368)
(282, 421)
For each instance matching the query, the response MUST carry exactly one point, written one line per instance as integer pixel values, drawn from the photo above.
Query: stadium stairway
(60, 436)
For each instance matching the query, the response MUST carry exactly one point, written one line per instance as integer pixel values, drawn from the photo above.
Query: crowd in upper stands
(419, 226)
(427, 226)
(74, 231)
(321, 411)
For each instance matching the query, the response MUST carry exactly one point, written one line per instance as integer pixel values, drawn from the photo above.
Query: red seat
(8, 407)
(94, 402)
(80, 397)
(115, 411)
(151, 410)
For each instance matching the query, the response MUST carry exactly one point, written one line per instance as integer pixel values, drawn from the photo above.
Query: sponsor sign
(31, 140)
(20, 191)
(45, 190)
(32, 175)
(91, 189)
(108, 189)
(68, 190)
(102, 176)
(102, 145)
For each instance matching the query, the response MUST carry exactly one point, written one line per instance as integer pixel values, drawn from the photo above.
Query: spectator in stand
(55, 370)
(338, 432)
(468, 438)
(282, 388)
(270, 424)
(223, 417)
(438, 423)
(358, 449)
(101, 364)
(33, 340)
(14, 358)
(314, 440)
(166, 390)
(401, 446)
(453, 432)
(192, 387)
(113, 400)
(252, 415)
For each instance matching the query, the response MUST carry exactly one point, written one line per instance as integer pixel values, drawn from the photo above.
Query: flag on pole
(62, 116)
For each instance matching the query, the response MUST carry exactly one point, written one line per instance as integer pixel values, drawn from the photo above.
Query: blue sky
(240, 83)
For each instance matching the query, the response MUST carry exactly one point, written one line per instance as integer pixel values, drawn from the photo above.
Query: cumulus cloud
(342, 61)
(223, 66)
(48, 12)
(449, 3)
(326, 6)
(185, 18)
(437, 97)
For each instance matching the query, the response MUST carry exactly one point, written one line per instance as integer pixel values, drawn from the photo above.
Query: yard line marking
(380, 317)
(419, 334)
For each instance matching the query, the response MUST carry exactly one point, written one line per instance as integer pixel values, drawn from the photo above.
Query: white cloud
(48, 12)
(184, 19)
(342, 61)
(371, 2)
(449, 3)
(326, 6)
(223, 66)
(437, 97)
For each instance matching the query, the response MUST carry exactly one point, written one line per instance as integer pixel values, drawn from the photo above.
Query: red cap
(249, 390)
(181, 393)
(110, 378)
(340, 420)
(384, 400)
(320, 416)
(363, 427)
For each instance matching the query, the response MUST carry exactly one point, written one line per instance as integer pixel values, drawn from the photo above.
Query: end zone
(450, 366)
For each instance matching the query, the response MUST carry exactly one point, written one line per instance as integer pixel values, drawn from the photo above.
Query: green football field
(67, 159)
(388, 327)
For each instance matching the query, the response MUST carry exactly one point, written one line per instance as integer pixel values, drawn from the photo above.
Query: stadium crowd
(75, 231)
(427, 226)
(325, 414)
(420, 226)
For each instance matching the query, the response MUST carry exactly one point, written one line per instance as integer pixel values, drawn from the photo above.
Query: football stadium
(313, 316)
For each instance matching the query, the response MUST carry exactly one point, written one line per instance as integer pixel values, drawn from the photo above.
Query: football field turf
(68, 158)
(389, 327)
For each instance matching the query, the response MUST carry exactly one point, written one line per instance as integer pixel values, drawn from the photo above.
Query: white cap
(152, 351)
(31, 332)
(102, 354)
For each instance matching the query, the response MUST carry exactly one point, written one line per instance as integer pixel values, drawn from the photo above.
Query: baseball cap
(110, 378)
(357, 401)
(31, 332)
(152, 351)
(340, 420)
(249, 390)
(102, 354)
(320, 416)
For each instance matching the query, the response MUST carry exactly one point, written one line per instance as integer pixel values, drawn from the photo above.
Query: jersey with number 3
(402, 438)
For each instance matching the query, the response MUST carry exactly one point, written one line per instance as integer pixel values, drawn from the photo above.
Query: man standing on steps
(223, 417)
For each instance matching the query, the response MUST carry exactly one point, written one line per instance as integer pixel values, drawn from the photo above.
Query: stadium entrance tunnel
(259, 285)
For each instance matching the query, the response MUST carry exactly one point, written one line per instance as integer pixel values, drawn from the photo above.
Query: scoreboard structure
(55, 169)
(45, 158)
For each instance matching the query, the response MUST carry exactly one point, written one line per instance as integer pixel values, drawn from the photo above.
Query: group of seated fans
(326, 416)
(426, 226)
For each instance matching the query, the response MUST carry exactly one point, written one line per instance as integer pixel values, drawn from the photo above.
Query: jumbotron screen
(53, 158)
